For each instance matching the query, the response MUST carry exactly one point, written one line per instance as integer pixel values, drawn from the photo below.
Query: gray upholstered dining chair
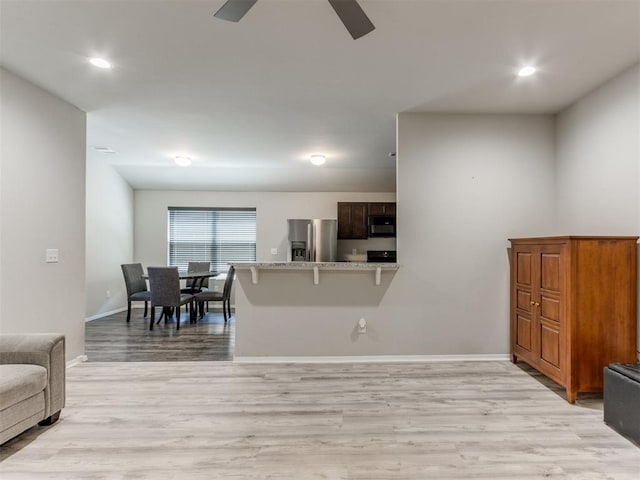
(200, 283)
(224, 296)
(136, 286)
(165, 292)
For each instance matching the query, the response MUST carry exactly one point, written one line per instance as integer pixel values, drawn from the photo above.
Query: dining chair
(224, 296)
(197, 285)
(136, 286)
(165, 292)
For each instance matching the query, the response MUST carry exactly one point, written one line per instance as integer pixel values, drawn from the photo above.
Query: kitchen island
(308, 309)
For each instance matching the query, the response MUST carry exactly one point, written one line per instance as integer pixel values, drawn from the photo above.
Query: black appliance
(382, 226)
(381, 256)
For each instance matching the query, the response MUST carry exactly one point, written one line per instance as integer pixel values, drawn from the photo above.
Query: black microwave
(382, 226)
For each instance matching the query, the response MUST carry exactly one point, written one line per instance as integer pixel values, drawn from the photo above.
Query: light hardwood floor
(210, 420)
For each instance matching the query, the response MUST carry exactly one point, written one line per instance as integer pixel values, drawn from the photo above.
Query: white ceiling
(251, 101)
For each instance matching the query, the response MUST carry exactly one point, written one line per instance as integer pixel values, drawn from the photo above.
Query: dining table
(197, 277)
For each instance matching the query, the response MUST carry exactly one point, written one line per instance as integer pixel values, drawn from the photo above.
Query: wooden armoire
(573, 307)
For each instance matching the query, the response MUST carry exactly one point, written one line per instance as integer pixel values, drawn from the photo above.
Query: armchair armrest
(46, 350)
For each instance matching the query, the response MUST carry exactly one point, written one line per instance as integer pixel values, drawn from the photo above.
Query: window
(217, 235)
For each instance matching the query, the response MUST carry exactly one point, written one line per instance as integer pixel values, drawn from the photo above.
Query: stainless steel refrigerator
(313, 240)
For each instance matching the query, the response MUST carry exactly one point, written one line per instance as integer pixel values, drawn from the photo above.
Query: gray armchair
(32, 381)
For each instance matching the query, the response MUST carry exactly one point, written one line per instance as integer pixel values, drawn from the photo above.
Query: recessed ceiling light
(318, 159)
(99, 62)
(182, 161)
(527, 71)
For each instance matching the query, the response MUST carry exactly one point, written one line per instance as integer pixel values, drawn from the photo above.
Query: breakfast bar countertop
(316, 267)
(322, 265)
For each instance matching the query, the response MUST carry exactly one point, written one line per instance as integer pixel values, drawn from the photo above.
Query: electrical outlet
(362, 326)
(274, 251)
(108, 293)
(51, 255)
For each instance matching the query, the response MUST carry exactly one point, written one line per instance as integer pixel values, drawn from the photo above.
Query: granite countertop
(316, 268)
(311, 265)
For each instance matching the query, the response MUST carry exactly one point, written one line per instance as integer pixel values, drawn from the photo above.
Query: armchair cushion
(32, 381)
(20, 381)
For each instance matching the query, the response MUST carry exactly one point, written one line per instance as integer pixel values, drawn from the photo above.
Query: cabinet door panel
(376, 209)
(344, 220)
(524, 300)
(384, 209)
(389, 208)
(550, 343)
(523, 334)
(524, 267)
(550, 271)
(550, 308)
(359, 220)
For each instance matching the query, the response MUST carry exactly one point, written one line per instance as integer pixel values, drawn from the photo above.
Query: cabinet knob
(532, 303)
(537, 304)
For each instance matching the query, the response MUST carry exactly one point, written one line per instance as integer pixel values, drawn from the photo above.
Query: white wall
(598, 160)
(286, 314)
(42, 205)
(109, 235)
(598, 156)
(272, 211)
(466, 183)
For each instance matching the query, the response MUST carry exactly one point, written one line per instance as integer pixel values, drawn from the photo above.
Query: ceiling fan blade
(353, 17)
(234, 10)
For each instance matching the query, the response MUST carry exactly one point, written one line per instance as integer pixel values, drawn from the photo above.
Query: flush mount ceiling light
(527, 71)
(182, 161)
(318, 159)
(100, 62)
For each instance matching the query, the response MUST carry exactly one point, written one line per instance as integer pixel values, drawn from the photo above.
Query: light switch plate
(52, 255)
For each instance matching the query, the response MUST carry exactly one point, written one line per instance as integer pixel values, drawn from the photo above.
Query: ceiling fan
(351, 14)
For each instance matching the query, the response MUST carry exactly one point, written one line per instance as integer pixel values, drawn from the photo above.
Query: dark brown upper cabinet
(382, 209)
(352, 220)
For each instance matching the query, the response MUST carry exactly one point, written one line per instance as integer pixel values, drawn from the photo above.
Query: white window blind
(216, 235)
